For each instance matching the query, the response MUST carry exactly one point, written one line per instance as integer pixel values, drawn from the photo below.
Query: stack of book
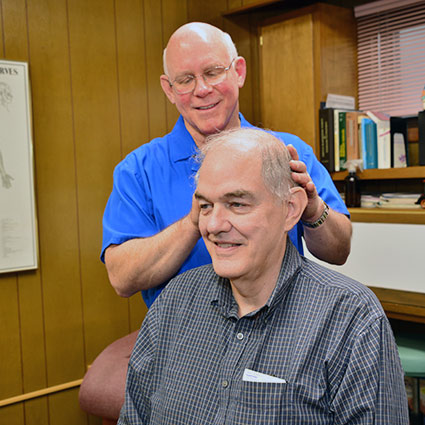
(389, 200)
(369, 200)
(379, 140)
(399, 200)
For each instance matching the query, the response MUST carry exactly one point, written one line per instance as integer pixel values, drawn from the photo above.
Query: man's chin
(214, 128)
(225, 271)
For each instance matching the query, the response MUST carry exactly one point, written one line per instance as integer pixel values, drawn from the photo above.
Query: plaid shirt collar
(222, 296)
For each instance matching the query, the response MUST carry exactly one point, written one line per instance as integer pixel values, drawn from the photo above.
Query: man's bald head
(198, 31)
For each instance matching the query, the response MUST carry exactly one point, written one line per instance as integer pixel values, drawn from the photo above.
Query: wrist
(314, 224)
(189, 225)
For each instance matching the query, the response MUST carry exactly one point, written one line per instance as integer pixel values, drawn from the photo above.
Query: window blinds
(391, 56)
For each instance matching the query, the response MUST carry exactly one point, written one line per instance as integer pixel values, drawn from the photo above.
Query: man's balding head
(206, 33)
(276, 171)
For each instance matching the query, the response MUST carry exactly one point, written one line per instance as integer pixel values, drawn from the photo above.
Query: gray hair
(225, 38)
(276, 171)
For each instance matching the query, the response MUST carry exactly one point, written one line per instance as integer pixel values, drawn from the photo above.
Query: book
(369, 143)
(336, 139)
(352, 135)
(382, 122)
(399, 200)
(400, 197)
(421, 127)
(369, 200)
(399, 151)
(326, 138)
(339, 132)
(342, 139)
(360, 116)
(340, 101)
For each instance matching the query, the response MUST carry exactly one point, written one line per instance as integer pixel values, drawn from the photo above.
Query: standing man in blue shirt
(263, 335)
(150, 223)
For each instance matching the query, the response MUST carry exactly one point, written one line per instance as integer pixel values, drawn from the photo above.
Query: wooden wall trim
(402, 305)
(40, 393)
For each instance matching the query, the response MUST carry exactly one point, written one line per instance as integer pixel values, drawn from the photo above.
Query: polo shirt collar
(182, 145)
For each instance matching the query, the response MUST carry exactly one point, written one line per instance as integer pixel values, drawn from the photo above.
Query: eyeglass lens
(211, 76)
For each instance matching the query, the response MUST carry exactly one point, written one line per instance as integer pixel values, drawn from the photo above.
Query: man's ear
(296, 206)
(168, 90)
(240, 68)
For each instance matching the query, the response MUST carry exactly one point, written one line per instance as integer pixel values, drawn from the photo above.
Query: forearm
(145, 263)
(331, 241)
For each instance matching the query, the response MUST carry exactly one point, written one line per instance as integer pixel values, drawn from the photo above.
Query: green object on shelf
(411, 349)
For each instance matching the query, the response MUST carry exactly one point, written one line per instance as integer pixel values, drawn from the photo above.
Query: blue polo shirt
(153, 188)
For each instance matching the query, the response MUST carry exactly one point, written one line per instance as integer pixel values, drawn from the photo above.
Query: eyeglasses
(212, 76)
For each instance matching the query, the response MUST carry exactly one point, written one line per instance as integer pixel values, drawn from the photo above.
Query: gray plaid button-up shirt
(322, 333)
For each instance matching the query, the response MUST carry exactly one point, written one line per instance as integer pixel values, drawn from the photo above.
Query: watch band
(320, 220)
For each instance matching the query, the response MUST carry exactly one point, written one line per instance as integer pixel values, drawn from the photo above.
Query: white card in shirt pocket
(253, 376)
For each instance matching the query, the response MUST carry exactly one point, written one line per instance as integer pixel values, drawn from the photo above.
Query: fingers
(296, 165)
(293, 152)
(305, 182)
(310, 188)
(194, 212)
(300, 174)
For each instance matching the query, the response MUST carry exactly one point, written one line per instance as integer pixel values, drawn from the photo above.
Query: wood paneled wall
(94, 69)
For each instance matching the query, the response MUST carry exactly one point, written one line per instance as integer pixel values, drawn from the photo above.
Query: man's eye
(204, 207)
(214, 72)
(237, 205)
(187, 79)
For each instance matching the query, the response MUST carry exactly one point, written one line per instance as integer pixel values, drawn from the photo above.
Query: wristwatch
(320, 220)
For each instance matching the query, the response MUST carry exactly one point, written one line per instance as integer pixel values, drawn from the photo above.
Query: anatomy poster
(18, 227)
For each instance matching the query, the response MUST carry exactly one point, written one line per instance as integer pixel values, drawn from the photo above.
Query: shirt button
(225, 383)
(239, 336)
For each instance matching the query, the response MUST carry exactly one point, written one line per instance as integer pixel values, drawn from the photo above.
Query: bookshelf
(417, 172)
(381, 215)
(387, 180)
(409, 178)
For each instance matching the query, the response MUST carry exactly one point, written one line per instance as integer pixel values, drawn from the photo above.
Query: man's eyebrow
(207, 68)
(199, 196)
(241, 194)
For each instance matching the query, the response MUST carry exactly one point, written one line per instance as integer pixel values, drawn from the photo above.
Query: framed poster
(18, 226)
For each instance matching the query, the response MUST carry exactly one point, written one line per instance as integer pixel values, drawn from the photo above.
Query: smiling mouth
(206, 108)
(226, 245)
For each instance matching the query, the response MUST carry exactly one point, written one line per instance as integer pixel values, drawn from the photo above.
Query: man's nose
(218, 221)
(202, 88)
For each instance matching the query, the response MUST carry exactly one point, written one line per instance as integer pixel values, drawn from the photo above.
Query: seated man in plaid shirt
(263, 335)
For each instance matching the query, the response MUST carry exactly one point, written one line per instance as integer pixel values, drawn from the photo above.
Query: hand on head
(300, 175)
